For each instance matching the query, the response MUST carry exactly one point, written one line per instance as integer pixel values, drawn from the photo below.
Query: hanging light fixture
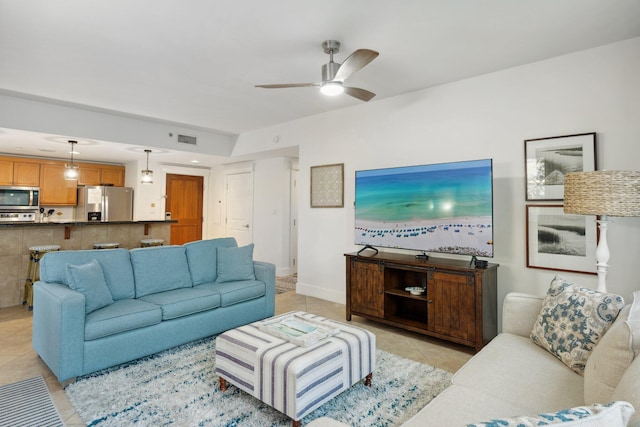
(70, 169)
(147, 174)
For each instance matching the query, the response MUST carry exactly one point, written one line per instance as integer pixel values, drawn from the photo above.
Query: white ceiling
(196, 62)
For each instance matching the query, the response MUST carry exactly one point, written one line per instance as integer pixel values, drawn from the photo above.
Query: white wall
(271, 200)
(485, 117)
(271, 212)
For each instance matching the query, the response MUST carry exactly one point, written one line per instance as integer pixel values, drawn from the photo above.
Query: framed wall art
(547, 160)
(559, 241)
(327, 186)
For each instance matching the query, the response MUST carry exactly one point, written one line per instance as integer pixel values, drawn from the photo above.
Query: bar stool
(35, 255)
(106, 245)
(147, 243)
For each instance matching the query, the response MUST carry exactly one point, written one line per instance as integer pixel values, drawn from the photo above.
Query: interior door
(239, 213)
(184, 201)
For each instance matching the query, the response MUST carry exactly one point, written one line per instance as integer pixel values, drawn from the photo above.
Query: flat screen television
(443, 208)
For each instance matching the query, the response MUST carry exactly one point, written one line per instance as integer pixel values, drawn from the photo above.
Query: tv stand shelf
(459, 305)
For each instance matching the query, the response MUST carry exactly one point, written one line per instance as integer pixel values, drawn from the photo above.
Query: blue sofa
(99, 308)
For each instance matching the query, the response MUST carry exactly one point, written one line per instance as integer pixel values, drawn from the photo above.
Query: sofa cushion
(235, 264)
(235, 292)
(516, 370)
(185, 301)
(572, 321)
(116, 266)
(88, 279)
(459, 405)
(609, 360)
(629, 391)
(614, 414)
(160, 268)
(202, 256)
(121, 316)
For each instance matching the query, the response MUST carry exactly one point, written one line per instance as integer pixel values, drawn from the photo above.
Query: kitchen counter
(81, 223)
(17, 237)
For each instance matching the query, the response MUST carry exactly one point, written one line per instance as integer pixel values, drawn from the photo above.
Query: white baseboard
(322, 293)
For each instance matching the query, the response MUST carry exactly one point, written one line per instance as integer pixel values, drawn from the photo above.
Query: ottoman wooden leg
(295, 423)
(223, 384)
(367, 379)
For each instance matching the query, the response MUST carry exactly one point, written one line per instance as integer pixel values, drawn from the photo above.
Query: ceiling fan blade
(354, 62)
(285, 85)
(361, 94)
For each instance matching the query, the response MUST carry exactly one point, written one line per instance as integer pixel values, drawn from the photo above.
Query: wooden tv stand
(459, 305)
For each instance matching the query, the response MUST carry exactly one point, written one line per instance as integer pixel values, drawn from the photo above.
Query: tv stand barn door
(459, 305)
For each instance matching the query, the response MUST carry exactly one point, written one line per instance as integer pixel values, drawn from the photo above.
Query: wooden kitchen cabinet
(112, 175)
(93, 174)
(88, 175)
(54, 189)
(23, 173)
(6, 172)
(49, 176)
(459, 305)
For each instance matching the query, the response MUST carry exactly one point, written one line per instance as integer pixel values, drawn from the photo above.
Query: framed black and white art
(547, 160)
(559, 241)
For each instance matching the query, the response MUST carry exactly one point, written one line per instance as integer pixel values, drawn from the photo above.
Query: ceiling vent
(185, 139)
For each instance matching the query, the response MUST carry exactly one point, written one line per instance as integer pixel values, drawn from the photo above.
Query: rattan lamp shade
(611, 193)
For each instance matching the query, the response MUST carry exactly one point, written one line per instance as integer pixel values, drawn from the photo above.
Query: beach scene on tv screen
(445, 208)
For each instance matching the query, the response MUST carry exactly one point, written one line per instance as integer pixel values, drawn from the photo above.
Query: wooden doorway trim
(185, 195)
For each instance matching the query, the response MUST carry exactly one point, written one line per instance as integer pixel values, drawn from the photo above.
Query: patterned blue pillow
(614, 414)
(572, 320)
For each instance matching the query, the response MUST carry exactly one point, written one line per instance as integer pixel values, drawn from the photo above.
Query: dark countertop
(81, 223)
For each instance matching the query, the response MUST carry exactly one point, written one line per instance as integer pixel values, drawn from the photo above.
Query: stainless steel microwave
(19, 198)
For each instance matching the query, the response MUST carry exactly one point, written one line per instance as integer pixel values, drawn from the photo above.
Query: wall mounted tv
(444, 208)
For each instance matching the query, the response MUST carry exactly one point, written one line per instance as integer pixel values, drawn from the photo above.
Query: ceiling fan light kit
(332, 88)
(334, 74)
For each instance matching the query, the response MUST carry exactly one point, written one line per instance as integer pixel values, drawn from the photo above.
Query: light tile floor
(18, 361)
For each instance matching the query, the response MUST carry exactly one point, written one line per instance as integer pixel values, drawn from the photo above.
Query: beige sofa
(514, 379)
(512, 376)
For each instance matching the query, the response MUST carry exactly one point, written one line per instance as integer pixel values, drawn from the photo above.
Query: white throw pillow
(572, 321)
(613, 355)
(614, 414)
(608, 361)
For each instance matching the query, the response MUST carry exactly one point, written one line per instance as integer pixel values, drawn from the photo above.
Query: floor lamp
(605, 194)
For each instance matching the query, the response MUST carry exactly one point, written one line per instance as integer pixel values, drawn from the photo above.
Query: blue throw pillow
(235, 264)
(89, 280)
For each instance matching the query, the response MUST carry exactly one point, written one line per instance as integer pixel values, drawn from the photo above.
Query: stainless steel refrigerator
(104, 204)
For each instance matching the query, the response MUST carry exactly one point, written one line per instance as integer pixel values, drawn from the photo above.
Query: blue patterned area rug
(285, 283)
(179, 387)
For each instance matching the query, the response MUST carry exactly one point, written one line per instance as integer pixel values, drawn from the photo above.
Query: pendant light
(147, 174)
(70, 169)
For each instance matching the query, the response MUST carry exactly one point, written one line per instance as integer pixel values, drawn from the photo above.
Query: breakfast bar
(16, 238)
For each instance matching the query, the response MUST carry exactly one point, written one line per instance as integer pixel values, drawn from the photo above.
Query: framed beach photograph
(547, 160)
(327, 186)
(559, 241)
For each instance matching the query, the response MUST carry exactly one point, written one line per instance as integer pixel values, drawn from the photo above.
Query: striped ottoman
(293, 379)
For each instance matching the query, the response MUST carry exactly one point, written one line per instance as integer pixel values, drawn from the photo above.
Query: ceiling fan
(334, 74)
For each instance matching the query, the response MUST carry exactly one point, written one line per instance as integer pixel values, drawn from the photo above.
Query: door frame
(203, 197)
